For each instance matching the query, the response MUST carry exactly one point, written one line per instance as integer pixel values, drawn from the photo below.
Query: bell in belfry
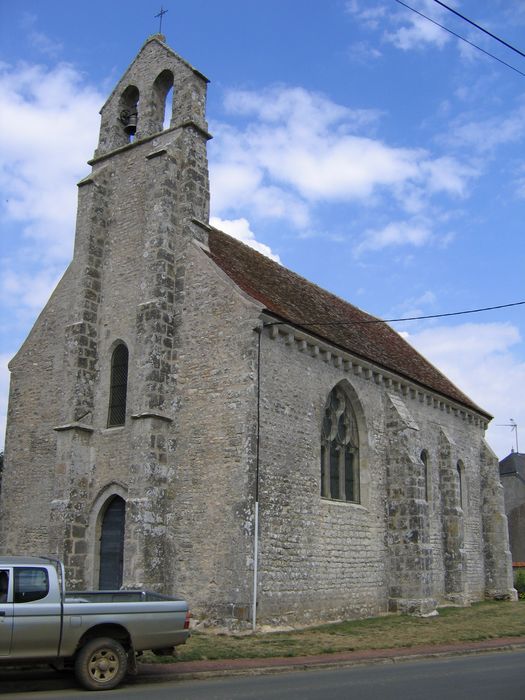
(129, 120)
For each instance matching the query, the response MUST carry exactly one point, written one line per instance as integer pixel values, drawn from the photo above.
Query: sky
(356, 142)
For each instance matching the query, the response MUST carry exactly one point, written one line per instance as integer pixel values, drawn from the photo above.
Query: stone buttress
(408, 527)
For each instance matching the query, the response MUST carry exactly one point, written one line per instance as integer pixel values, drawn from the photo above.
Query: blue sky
(358, 143)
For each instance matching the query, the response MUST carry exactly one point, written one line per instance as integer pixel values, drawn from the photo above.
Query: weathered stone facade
(225, 403)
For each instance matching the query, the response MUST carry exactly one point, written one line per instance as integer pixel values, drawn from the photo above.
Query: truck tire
(101, 664)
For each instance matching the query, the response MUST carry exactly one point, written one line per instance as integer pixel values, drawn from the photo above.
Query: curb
(234, 667)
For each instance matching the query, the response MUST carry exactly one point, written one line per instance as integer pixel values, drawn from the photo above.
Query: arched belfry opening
(168, 109)
(162, 101)
(111, 551)
(128, 112)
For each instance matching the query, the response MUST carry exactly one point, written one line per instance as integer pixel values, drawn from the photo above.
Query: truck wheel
(101, 664)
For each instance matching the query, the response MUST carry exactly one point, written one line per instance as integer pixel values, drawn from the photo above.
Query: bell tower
(135, 109)
(135, 114)
(145, 201)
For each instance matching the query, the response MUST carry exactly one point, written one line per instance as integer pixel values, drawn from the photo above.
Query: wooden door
(112, 545)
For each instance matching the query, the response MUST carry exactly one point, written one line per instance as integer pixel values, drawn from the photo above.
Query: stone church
(187, 415)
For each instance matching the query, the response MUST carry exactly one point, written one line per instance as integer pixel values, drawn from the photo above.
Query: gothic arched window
(339, 449)
(118, 386)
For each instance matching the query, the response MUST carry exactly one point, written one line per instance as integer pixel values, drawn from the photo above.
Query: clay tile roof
(303, 304)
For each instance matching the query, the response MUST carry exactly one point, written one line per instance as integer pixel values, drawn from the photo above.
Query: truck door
(37, 616)
(6, 612)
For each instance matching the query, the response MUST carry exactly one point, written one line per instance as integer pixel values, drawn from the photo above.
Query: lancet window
(118, 386)
(426, 475)
(460, 472)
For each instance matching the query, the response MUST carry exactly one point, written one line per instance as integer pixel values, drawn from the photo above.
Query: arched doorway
(112, 545)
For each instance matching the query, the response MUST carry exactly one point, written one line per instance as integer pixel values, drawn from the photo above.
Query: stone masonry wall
(35, 404)
(322, 559)
(319, 559)
(211, 519)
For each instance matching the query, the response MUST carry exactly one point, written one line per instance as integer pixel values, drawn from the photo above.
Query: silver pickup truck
(98, 633)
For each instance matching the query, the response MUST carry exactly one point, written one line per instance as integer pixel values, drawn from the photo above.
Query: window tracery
(339, 449)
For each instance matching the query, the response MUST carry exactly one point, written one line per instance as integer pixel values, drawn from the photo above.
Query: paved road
(493, 676)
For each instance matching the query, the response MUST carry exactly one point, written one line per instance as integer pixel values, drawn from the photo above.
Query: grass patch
(486, 620)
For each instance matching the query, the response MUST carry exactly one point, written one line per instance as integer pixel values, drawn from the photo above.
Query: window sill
(343, 504)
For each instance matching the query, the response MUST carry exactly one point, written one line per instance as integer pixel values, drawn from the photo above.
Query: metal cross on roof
(160, 16)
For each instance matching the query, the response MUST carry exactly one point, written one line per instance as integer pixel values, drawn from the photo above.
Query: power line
(482, 29)
(394, 320)
(458, 36)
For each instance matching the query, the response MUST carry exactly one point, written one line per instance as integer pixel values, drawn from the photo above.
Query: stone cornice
(348, 363)
(121, 149)
(75, 426)
(152, 415)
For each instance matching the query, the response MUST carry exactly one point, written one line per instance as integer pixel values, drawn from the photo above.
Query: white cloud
(48, 127)
(38, 40)
(296, 149)
(343, 168)
(31, 290)
(4, 391)
(417, 32)
(412, 31)
(240, 229)
(416, 306)
(482, 359)
(363, 52)
(240, 186)
(513, 13)
(447, 174)
(485, 135)
(519, 182)
(308, 111)
(394, 234)
(368, 14)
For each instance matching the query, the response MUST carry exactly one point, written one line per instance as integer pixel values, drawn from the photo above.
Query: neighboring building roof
(305, 305)
(513, 464)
